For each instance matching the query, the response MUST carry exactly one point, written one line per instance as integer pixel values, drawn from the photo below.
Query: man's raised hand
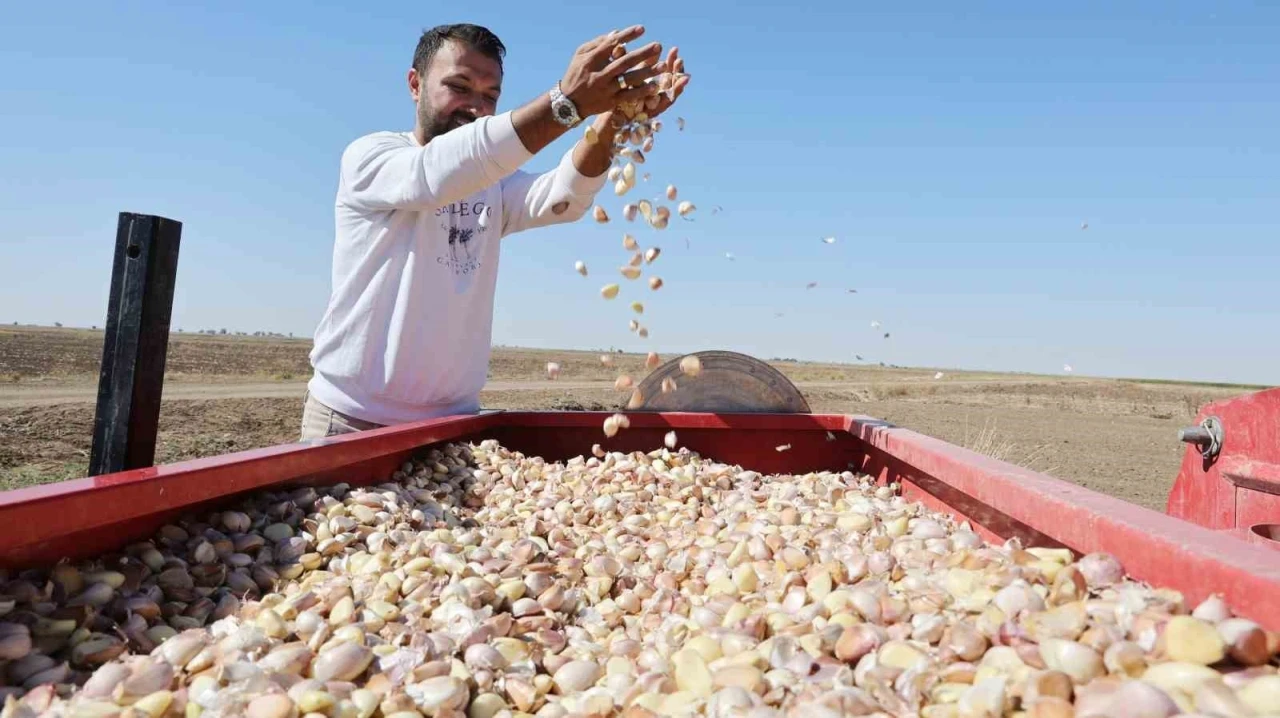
(597, 83)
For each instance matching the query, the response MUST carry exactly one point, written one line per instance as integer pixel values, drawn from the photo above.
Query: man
(419, 216)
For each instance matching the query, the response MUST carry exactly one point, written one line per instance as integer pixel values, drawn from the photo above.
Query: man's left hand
(671, 83)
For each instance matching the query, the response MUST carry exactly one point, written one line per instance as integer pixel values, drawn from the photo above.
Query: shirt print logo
(463, 257)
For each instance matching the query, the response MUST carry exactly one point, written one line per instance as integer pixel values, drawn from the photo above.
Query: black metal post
(137, 341)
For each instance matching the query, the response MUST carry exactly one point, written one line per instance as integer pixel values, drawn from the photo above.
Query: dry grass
(991, 442)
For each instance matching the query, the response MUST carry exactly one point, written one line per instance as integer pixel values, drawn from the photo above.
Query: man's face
(460, 85)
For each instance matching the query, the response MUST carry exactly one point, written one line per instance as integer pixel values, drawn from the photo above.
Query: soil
(226, 394)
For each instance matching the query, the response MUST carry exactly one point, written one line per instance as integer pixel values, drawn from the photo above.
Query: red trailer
(1221, 535)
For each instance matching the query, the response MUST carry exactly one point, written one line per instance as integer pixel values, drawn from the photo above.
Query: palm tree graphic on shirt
(460, 235)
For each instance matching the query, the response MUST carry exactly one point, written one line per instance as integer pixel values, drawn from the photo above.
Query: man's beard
(434, 126)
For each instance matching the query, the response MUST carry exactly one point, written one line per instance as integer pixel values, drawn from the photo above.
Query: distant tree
(222, 331)
(58, 324)
(95, 326)
(290, 333)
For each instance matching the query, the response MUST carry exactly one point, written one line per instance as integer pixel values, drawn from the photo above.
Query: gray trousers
(319, 421)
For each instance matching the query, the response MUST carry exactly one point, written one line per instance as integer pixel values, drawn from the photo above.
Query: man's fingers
(633, 58)
(635, 93)
(635, 77)
(602, 47)
(629, 34)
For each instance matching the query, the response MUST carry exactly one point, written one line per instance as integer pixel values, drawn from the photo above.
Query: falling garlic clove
(784, 447)
(580, 267)
(655, 283)
(660, 218)
(606, 360)
(652, 361)
(644, 332)
(648, 144)
(609, 291)
(637, 399)
(668, 385)
(646, 209)
(637, 156)
(615, 174)
(618, 51)
(685, 208)
(621, 187)
(629, 212)
(691, 365)
(634, 325)
(636, 259)
(651, 254)
(553, 370)
(669, 440)
(671, 192)
(629, 243)
(637, 307)
(591, 135)
(629, 172)
(623, 382)
(630, 272)
(600, 215)
(610, 426)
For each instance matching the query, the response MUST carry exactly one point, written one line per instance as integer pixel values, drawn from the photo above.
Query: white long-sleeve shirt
(406, 334)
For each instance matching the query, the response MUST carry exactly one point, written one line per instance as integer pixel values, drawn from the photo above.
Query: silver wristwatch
(566, 113)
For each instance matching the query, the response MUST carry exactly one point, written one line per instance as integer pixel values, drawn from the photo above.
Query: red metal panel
(83, 517)
(1009, 500)
(1241, 487)
(1001, 500)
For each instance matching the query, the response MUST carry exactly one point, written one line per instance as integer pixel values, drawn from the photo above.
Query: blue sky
(953, 149)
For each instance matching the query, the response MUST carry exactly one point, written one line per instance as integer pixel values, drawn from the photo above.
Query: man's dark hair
(479, 38)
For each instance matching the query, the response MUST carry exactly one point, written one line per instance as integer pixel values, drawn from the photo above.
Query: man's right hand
(591, 82)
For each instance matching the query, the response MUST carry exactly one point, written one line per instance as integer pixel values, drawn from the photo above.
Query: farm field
(230, 393)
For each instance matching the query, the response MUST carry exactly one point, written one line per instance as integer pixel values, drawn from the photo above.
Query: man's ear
(415, 83)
